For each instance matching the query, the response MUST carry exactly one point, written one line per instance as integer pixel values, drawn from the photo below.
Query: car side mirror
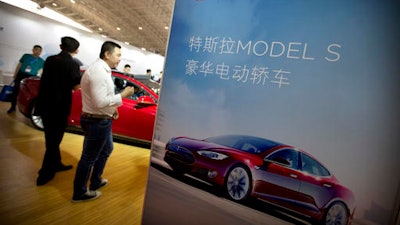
(145, 101)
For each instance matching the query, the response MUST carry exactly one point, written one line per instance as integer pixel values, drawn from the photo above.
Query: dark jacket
(60, 74)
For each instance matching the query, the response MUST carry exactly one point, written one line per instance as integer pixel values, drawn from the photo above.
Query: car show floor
(22, 202)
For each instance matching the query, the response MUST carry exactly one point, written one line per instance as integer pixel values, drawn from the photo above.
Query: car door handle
(327, 185)
(293, 175)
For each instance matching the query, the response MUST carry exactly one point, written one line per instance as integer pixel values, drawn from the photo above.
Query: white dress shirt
(98, 90)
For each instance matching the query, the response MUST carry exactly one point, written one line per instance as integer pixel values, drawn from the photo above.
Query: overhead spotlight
(140, 28)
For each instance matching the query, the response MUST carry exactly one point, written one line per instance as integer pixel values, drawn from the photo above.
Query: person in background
(160, 77)
(152, 77)
(148, 72)
(127, 68)
(99, 108)
(61, 75)
(29, 65)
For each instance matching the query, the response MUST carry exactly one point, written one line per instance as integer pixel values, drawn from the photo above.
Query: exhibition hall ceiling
(141, 23)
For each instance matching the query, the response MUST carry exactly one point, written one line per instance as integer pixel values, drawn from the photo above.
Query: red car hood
(191, 143)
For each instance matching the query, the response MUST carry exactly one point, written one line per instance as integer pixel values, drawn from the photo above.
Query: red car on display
(136, 115)
(246, 166)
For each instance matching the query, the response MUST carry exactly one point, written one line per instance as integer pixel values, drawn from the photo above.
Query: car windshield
(249, 144)
(144, 79)
(153, 85)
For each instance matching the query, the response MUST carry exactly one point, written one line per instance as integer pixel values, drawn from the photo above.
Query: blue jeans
(97, 147)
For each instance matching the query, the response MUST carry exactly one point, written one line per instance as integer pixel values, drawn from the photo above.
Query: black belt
(95, 116)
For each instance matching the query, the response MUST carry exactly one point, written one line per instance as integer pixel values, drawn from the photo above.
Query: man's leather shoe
(11, 110)
(63, 168)
(44, 179)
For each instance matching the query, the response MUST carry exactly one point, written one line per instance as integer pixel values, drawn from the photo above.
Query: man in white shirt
(99, 109)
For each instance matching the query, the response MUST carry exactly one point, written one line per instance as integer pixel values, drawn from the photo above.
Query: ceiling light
(118, 28)
(41, 6)
(140, 28)
(72, 1)
(166, 27)
(100, 29)
(54, 4)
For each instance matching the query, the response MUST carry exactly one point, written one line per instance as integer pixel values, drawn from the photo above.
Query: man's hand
(128, 91)
(116, 114)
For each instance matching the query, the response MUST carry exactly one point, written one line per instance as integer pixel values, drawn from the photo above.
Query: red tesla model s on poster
(283, 175)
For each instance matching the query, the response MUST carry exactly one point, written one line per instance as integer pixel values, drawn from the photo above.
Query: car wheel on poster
(335, 215)
(238, 183)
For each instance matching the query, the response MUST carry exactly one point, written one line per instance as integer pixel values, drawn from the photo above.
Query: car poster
(278, 112)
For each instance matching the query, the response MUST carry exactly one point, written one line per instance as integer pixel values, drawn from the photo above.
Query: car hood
(196, 144)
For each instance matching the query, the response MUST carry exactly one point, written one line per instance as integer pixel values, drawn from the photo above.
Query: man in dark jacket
(61, 75)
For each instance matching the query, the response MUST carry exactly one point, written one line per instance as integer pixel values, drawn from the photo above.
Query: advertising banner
(278, 112)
